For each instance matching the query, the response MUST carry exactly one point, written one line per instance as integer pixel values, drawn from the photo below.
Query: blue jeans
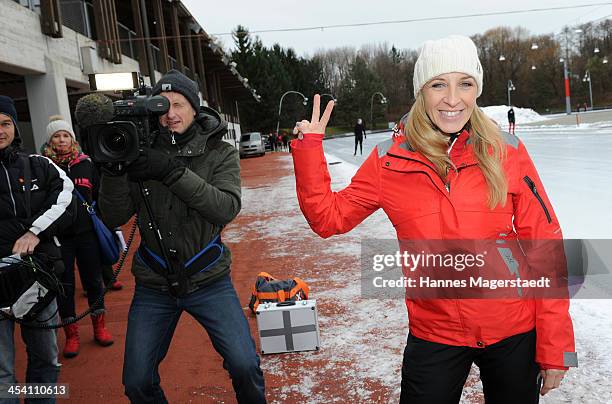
(152, 320)
(41, 346)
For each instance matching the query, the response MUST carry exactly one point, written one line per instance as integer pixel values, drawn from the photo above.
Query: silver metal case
(288, 326)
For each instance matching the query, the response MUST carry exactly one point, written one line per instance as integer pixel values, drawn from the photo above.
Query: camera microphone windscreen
(94, 109)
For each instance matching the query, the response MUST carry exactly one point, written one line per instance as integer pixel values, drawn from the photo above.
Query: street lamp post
(333, 97)
(568, 102)
(587, 77)
(383, 100)
(510, 88)
(280, 105)
(566, 75)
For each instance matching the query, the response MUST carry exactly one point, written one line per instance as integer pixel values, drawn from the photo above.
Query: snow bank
(499, 113)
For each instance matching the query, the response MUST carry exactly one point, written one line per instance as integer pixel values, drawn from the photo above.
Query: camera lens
(115, 142)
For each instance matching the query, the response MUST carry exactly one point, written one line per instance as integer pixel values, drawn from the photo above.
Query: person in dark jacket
(79, 242)
(359, 135)
(25, 233)
(272, 140)
(279, 142)
(193, 178)
(511, 120)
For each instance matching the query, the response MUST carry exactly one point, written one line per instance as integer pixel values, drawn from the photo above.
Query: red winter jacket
(420, 206)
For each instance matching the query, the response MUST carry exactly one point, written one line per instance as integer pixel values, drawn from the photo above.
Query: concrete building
(49, 47)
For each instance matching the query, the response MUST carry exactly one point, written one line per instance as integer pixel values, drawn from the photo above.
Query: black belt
(201, 262)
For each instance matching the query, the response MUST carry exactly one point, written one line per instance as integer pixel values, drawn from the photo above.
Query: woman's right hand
(318, 122)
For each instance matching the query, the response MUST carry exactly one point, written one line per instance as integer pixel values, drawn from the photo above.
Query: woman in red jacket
(452, 176)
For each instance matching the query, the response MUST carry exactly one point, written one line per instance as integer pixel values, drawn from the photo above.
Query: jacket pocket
(534, 190)
(408, 195)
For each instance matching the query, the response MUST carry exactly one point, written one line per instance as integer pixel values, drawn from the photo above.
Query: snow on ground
(499, 113)
(576, 168)
(584, 127)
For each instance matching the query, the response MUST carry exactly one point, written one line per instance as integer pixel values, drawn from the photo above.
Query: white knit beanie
(56, 123)
(455, 53)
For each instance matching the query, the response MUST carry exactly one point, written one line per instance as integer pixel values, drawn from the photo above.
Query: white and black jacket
(51, 201)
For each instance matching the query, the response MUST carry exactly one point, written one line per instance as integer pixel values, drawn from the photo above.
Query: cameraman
(194, 183)
(23, 233)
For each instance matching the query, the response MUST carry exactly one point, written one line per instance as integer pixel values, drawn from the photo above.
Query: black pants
(84, 248)
(358, 140)
(436, 373)
(107, 274)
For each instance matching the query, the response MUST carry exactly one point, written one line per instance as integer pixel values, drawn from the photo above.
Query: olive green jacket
(191, 208)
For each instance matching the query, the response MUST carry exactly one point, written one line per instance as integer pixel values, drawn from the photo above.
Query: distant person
(272, 140)
(511, 120)
(285, 139)
(359, 135)
(290, 138)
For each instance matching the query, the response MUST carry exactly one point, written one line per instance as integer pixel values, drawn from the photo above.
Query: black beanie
(176, 81)
(7, 107)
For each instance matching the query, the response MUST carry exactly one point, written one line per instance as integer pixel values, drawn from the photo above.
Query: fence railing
(78, 15)
(33, 5)
(126, 35)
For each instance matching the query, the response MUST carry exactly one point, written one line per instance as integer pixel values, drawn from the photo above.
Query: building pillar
(47, 95)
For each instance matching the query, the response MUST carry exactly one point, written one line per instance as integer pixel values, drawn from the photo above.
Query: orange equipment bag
(269, 289)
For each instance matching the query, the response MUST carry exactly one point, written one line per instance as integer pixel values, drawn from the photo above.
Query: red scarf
(62, 159)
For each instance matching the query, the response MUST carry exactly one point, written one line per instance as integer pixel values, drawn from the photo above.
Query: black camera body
(119, 139)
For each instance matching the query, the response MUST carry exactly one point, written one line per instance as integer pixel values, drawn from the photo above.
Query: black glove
(152, 164)
(111, 169)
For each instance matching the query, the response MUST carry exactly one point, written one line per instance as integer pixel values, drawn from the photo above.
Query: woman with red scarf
(78, 243)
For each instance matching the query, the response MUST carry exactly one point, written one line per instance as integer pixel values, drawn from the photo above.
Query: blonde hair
(423, 136)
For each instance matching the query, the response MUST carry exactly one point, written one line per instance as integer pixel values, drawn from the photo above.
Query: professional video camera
(113, 132)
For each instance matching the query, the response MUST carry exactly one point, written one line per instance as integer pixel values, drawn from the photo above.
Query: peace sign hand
(318, 122)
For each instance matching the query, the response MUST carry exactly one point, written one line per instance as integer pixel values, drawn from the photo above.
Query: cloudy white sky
(217, 17)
